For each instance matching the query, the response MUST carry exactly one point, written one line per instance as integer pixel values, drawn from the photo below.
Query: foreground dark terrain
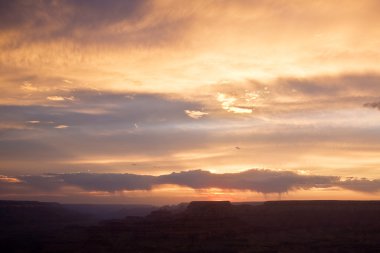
(283, 226)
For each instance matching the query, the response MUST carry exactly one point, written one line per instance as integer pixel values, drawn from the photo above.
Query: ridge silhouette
(204, 226)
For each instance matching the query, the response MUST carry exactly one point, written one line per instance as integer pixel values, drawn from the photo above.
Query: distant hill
(36, 214)
(111, 211)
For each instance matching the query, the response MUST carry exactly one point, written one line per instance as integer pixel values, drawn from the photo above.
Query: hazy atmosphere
(163, 102)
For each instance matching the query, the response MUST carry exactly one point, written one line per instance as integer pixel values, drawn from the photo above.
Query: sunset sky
(169, 101)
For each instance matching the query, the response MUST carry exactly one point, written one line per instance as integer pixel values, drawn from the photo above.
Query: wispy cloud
(55, 98)
(60, 98)
(9, 179)
(195, 114)
(61, 126)
(375, 105)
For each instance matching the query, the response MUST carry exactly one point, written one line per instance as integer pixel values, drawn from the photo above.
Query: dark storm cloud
(261, 181)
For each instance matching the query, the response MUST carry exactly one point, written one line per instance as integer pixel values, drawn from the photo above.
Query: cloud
(61, 126)
(261, 181)
(228, 104)
(60, 98)
(165, 42)
(9, 179)
(195, 114)
(98, 22)
(361, 185)
(32, 151)
(55, 98)
(27, 86)
(374, 105)
(105, 108)
(127, 124)
(293, 95)
(109, 182)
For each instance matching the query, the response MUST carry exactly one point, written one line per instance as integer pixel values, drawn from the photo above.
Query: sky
(171, 101)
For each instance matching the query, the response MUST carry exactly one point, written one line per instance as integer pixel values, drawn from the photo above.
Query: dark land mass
(274, 226)
(110, 211)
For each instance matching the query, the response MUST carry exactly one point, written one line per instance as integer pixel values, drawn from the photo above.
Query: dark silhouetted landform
(274, 226)
(111, 211)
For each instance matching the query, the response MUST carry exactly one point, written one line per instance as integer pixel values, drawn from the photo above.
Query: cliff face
(209, 210)
(294, 226)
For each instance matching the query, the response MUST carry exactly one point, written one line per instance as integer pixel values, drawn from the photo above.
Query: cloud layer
(261, 181)
(173, 46)
(88, 127)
